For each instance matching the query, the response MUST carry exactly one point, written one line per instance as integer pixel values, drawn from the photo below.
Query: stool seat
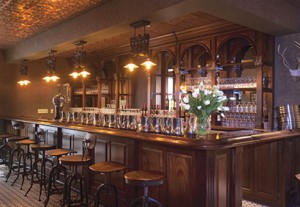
(144, 178)
(59, 152)
(106, 167)
(4, 136)
(42, 147)
(16, 138)
(75, 159)
(26, 142)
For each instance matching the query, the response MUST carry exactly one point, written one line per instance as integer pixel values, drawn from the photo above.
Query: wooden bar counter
(219, 170)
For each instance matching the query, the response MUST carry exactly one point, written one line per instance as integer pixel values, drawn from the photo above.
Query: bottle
(219, 119)
(265, 117)
(157, 110)
(167, 102)
(172, 103)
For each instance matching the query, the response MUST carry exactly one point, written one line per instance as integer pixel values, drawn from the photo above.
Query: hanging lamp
(140, 45)
(51, 64)
(78, 61)
(24, 73)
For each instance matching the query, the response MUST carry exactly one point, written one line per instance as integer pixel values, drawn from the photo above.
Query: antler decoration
(295, 73)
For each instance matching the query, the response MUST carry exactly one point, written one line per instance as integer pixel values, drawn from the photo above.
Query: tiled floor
(12, 196)
(251, 204)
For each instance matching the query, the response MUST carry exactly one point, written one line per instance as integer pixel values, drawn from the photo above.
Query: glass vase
(203, 126)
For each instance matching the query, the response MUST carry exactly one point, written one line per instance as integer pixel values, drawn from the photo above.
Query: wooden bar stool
(144, 179)
(14, 156)
(23, 157)
(88, 146)
(39, 175)
(5, 149)
(106, 168)
(56, 172)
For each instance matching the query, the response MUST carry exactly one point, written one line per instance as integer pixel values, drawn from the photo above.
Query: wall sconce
(140, 45)
(51, 64)
(78, 59)
(23, 70)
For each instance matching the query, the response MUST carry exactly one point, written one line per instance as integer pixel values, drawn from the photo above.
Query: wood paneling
(151, 159)
(248, 170)
(266, 175)
(180, 179)
(221, 176)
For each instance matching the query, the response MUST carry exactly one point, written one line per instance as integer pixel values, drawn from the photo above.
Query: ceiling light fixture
(78, 61)
(23, 70)
(51, 64)
(140, 45)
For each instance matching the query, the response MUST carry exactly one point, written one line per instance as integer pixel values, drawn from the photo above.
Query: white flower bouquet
(203, 102)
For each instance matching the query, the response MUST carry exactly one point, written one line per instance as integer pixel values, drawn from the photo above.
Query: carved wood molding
(169, 40)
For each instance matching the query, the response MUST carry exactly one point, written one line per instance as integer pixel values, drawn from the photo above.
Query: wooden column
(83, 93)
(99, 96)
(116, 80)
(177, 89)
(148, 91)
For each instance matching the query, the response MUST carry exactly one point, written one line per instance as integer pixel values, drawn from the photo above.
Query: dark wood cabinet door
(266, 171)
(248, 170)
(180, 179)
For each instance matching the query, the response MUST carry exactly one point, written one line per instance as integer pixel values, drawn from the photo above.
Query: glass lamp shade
(148, 64)
(131, 66)
(74, 74)
(52, 77)
(47, 78)
(24, 82)
(84, 73)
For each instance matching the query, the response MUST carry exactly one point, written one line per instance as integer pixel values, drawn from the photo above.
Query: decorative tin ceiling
(21, 19)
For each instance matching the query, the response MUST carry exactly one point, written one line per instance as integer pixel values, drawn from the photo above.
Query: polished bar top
(216, 139)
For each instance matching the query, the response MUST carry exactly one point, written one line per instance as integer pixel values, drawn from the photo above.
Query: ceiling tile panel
(22, 19)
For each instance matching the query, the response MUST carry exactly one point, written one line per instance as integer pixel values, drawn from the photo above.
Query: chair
(144, 179)
(106, 168)
(83, 160)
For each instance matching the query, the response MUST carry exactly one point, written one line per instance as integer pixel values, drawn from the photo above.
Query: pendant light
(51, 64)
(78, 61)
(23, 70)
(140, 45)
(148, 64)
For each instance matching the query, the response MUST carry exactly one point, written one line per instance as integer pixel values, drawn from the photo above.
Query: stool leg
(33, 172)
(106, 188)
(134, 202)
(11, 161)
(43, 175)
(54, 174)
(21, 158)
(151, 200)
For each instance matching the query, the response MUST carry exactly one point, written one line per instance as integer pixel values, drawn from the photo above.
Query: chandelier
(23, 70)
(139, 44)
(51, 64)
(78, 57)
